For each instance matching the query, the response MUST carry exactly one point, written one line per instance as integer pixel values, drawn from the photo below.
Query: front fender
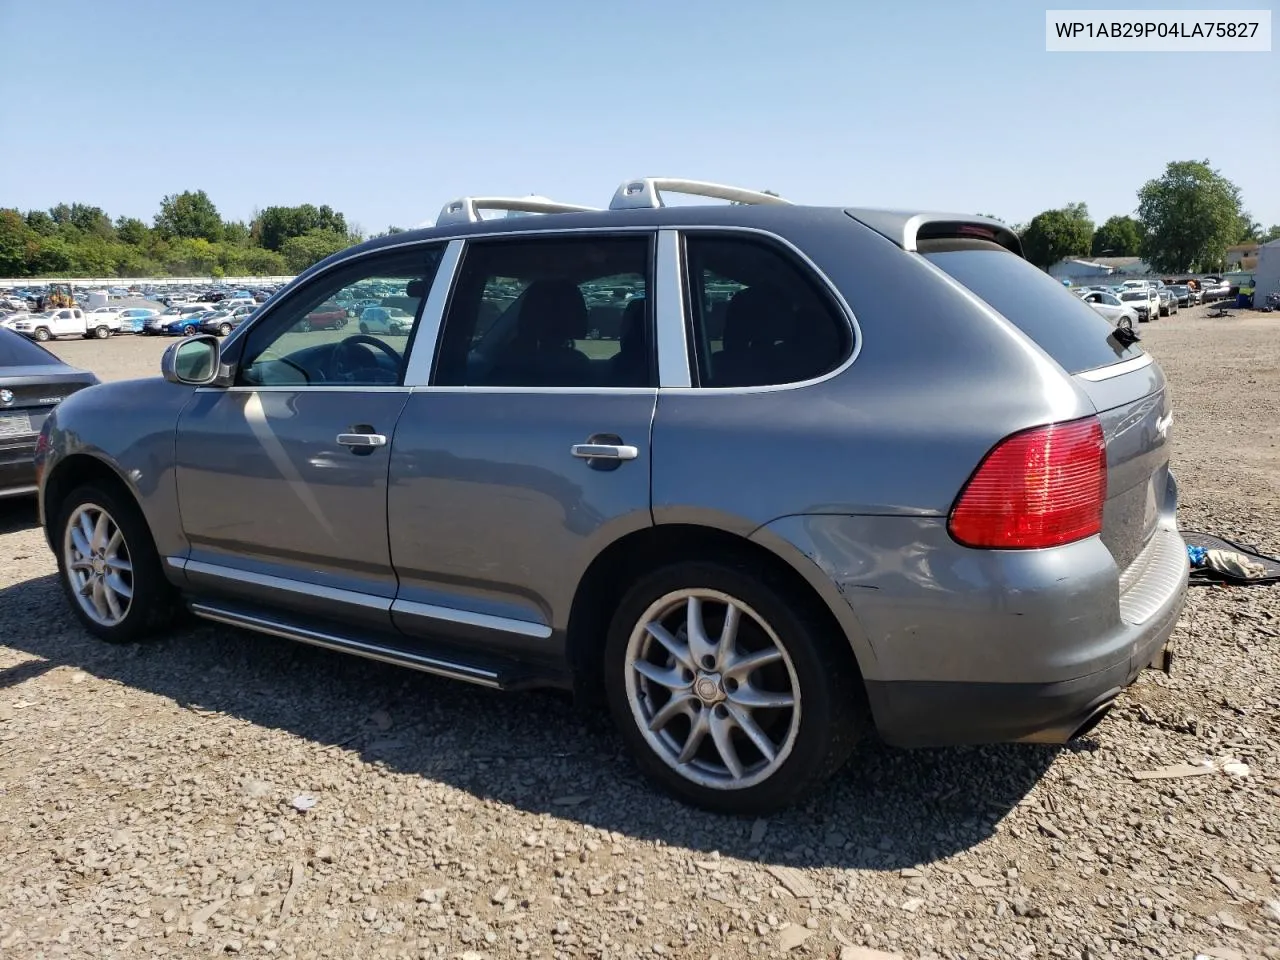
(130, 428)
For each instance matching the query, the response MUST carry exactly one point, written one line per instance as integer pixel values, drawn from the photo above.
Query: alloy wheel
(98, 565)
(712, 689)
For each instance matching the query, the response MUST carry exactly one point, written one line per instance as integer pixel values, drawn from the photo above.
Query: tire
(364, 328)
(810, 739)
(189, 331)
(224, 330)
(152, 604)
(102, 332)
(305, 325)
(43, 334)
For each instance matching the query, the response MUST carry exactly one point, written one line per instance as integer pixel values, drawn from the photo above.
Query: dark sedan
(32, 382)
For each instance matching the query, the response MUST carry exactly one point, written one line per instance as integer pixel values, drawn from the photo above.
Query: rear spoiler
(907, 229)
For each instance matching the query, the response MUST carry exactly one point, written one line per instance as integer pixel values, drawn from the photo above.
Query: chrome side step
(361, 648)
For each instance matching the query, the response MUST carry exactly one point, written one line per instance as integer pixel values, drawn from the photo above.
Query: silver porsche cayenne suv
(762, 479)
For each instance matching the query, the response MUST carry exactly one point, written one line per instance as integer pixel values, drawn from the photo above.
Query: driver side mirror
(195, 362)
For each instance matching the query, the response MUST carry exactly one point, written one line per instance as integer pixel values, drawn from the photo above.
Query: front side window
(550, 312)
(311, 339)
(758, 318)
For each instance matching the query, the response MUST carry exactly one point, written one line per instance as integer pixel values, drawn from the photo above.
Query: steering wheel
(345, 361)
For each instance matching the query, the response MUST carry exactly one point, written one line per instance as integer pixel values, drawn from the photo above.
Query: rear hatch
(1126, 386)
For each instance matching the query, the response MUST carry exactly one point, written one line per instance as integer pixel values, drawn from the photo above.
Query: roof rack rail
(467, 209)
(647, 193)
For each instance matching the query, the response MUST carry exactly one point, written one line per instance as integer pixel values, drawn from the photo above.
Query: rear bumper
(935, 714)
(17, 470)
(960, 646)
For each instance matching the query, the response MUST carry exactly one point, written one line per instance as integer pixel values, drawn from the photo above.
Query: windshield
(1133, 296)
(17, 351)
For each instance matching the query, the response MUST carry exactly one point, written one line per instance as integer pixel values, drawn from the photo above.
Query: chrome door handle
(604, 451)
(362, 440)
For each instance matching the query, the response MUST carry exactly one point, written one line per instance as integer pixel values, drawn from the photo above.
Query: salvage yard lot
(147, 793)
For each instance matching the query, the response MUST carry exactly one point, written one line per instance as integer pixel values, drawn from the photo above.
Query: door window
(758, 318)
(551, 312)
(316, 336)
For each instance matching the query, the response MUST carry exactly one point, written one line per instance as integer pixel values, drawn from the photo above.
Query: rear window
(1062, 325)
(17, 351)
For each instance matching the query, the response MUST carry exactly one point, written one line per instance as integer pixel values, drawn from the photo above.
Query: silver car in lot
(839, 473)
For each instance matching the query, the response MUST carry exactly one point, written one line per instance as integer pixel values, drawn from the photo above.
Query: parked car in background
(68, 322)
(1215, 288)
(661, 520)
(1143, 301)
(32, 382)
(328, 316)
(221, 322)
(1168, 301)
(389, 320)
(159, 324)
(1110, 306)
(134, 319)
(1184, 294)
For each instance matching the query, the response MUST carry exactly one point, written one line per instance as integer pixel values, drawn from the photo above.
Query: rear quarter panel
(129, 426)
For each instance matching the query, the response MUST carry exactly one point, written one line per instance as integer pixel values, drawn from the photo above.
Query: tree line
(187, 237)
(1186, 220)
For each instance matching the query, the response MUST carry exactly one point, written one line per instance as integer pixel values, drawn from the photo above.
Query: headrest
(756, 317)
(553, 312)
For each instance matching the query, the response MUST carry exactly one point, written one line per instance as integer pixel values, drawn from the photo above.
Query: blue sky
(386, 109)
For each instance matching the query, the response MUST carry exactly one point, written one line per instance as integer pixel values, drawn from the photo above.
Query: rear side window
(758, 318)
(1062, 325)
(17, 351)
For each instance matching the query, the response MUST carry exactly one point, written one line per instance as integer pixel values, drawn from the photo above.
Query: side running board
(498, 675)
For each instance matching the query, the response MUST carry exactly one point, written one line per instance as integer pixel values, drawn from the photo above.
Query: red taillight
(1039, 488)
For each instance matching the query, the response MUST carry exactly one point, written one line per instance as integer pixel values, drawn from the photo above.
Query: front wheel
(728, 695)
(43, 335)
(224, 329)
(109, 567)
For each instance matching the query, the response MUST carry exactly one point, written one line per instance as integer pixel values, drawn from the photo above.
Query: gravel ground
(149, 796)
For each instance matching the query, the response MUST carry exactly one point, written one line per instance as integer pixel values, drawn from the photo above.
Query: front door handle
(604, 451)
(362, 441)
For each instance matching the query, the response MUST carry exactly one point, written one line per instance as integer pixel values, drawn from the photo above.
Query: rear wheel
(729, 697)
(189, 330)
(109, 567)
(102, 332)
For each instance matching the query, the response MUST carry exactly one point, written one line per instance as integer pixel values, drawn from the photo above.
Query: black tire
(224, 330)
(43, 334)
(831, 693)
(102, 332)
(189, 330)
(364, 328)
(155, 605)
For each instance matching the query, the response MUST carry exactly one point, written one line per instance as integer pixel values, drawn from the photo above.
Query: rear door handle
(362, 440)
(604, 451)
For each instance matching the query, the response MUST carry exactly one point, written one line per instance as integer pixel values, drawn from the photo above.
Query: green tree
(312, 247)
(40, 222)
(60, 214)
(275, 226)
(91, 220)
(1191, 215)
(49, 256)
(235, 231)
(132, 231)
(1120, 236)
(1271, 233)
(14, 234)
(190, 215)
(255, 261)
(1056, 234)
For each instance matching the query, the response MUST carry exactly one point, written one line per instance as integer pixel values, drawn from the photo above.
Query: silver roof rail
(647, 193)
(467, 209)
